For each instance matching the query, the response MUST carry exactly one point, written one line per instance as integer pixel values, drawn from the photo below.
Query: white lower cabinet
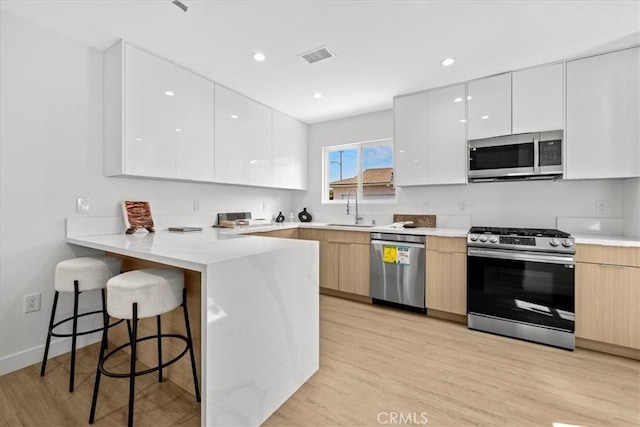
(603, 110)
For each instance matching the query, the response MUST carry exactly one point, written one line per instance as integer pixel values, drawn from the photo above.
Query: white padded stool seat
(156, 290)
(90, 272)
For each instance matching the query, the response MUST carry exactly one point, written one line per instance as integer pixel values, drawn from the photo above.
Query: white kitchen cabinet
(194, 127)
(158, 117)
(410, 139)
(538, 99)
(243, 152)
(603, 126)
(150, 103)
(489, 107)
(289, 146)
(446, 136)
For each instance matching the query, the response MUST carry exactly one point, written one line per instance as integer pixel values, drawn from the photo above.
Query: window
(364, 168)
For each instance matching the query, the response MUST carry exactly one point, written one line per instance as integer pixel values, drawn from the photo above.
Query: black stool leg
(190, 344)
(46, 347)
(76, 293)
(132, 373)
(159, 349)
(103, 347)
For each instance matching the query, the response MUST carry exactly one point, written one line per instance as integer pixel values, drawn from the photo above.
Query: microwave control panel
(550, 153)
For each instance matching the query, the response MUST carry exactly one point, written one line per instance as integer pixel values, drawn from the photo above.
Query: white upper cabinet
(243, 153)
(603, 116)
(158, 117)
(194, 127)
(289, 152)
(150, 105)
(410, 139)
(538, 99)
(489, 107)
(446, 136)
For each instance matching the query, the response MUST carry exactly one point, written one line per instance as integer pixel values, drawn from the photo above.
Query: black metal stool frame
(133, 342)
(74, 334)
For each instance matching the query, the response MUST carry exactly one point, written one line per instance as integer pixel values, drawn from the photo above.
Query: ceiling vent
(316, 55)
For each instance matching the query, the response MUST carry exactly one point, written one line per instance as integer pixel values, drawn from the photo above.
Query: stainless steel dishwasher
(397, 270)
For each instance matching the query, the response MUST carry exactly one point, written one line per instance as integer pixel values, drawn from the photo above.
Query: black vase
(280, 217)
(304, 216)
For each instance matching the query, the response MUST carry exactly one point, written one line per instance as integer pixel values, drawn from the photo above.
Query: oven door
(525, 287)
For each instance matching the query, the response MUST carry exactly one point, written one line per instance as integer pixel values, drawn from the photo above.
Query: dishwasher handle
(392, 243)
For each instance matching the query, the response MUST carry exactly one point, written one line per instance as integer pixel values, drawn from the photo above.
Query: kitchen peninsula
(258, 310)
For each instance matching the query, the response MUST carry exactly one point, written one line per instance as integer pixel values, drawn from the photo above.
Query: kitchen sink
(351, 225)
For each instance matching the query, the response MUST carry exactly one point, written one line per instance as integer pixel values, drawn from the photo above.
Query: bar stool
(136, 295)
(79, 275)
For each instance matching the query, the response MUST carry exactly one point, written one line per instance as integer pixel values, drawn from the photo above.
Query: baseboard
(345, 295)
(453, 317)
(602, 347)
(14, 362)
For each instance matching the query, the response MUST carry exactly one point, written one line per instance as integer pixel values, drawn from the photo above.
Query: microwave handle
(536, 153)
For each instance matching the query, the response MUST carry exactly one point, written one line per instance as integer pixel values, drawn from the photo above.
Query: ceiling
(382, 48)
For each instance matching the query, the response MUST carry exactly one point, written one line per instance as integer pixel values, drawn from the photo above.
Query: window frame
(359, 146)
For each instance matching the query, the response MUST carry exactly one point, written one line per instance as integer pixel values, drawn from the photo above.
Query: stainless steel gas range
(520, 283)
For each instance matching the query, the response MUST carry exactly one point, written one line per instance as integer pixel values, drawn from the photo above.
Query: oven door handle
(522, 256)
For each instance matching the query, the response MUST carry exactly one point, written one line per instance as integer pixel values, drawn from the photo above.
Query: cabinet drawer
(335, 236)
(613, 255)
(447, 244)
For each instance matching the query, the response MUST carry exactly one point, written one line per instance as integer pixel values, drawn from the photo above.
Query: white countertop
(192, 250)
(606, 240)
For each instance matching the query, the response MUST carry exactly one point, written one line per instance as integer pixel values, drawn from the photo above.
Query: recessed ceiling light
(138, 139)
(169, 93)
(484, 117)
(457, 100)
(259, 56)
(447, 61)
(253, 162)
(233, 116)
(463, 121)
(469, 97)
(401, 151)
(178, 130)
(317, 95)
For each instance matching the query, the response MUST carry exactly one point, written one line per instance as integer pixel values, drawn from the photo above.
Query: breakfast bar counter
(259, 312)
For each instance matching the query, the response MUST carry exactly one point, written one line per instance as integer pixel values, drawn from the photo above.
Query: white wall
(632, 207)
(529, 204)
(51, 153)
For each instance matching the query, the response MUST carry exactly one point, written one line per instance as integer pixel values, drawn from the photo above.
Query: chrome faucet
(355, 192)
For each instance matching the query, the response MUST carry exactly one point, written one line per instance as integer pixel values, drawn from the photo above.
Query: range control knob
(473, 237)
(483, 238)
(554, 242)
(567, 243)
(493, 239)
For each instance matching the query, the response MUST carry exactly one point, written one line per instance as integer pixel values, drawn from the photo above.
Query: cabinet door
(446, 281)
(446, 136)
(538, 95)
(329, 264)
(603, 97)
(354, 268)
(194, 127)
(150, 125)
(410, 139)
(607, 304)
(489, 107)
(289, 152)
(243, 140)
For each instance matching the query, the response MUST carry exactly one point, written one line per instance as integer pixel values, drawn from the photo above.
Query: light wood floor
(373, 361)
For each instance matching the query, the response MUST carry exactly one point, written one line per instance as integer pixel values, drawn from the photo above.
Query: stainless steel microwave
(536, 155)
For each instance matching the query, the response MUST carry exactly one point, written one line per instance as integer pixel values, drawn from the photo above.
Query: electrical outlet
(196, 205)
(463, 206)
(31, 303)
(82, 205)
(602, 207)
(425, 207)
